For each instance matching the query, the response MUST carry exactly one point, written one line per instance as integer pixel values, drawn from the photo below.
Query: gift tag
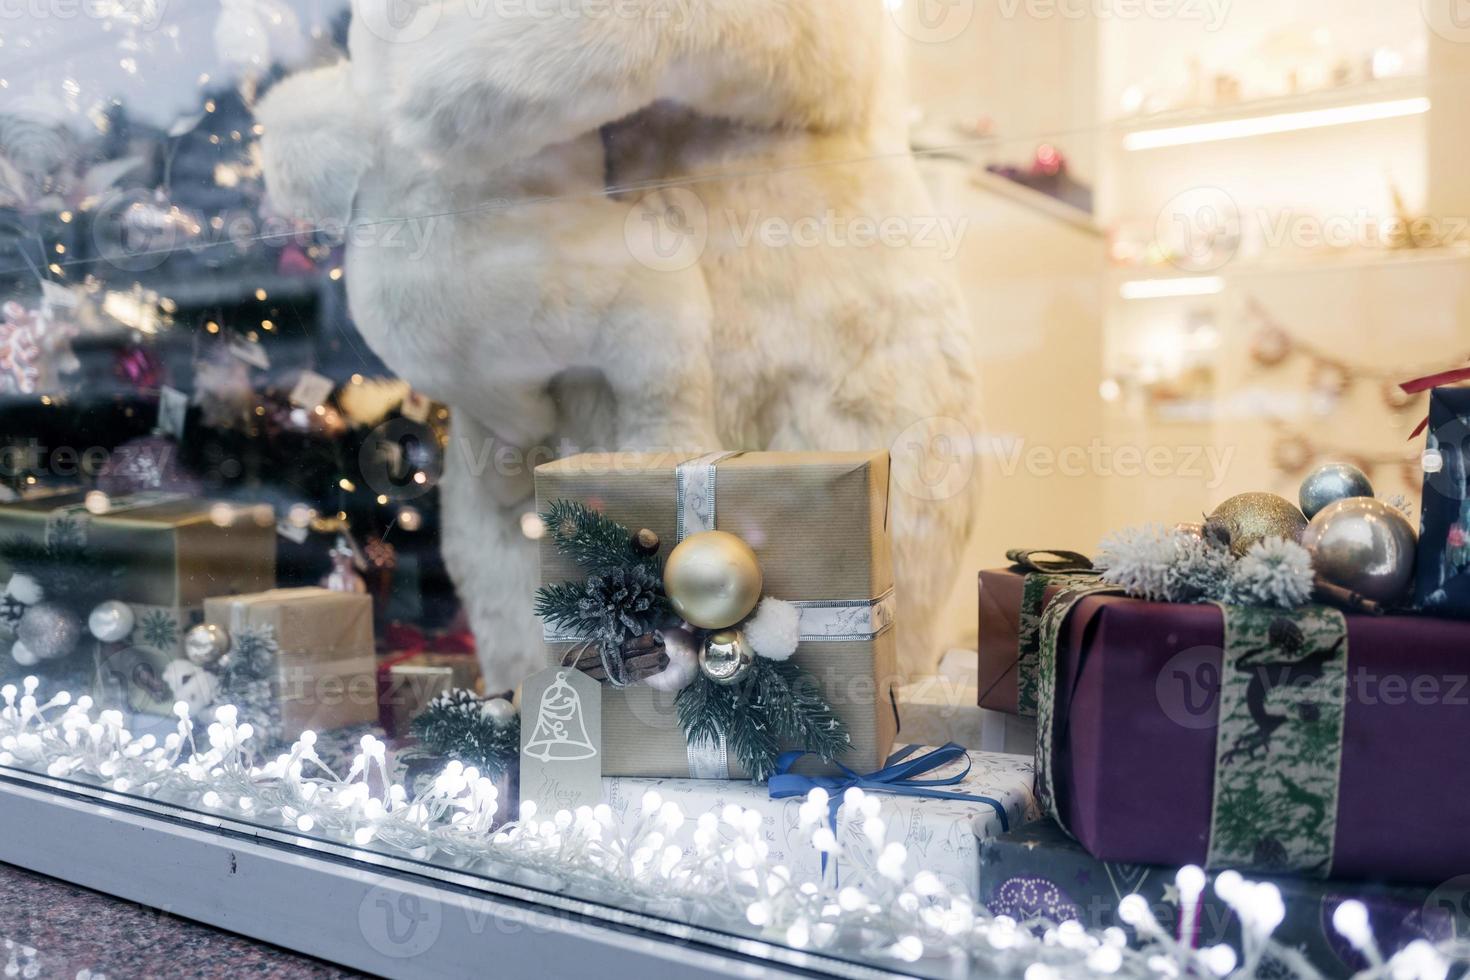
(312, 390)
(561, 740)
(173, 409)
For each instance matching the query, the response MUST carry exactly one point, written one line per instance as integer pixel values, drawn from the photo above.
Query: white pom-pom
(775, 629)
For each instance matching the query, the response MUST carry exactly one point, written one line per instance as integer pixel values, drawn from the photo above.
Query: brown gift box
(161, 550)
(817, 521)
(416, 680)
(326, 674)
(1000, 638)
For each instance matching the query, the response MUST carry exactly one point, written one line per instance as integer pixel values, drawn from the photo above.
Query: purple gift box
(1134, 757)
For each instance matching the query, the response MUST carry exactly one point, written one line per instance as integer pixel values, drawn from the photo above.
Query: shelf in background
(1350, 105)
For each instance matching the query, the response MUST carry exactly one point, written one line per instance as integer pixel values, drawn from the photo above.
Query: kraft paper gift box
(413, 681)
(1038, 870)
(326, 669)
(159, 550)
(942, 836)
(161, 554)
(1135, 748)
(818, 523)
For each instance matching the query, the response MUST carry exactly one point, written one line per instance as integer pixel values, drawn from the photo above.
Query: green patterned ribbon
(1050, 632)
(1278, 747)
(1033, 602)
(1278, 750)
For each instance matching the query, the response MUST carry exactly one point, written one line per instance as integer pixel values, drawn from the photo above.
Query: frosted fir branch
(1166, 565)
(715, 868)
(1274, 572)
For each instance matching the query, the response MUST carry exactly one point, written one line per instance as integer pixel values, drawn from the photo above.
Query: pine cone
(622, 603)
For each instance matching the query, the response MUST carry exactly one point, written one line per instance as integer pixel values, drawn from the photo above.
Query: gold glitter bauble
(713, 580)
(1251, 517)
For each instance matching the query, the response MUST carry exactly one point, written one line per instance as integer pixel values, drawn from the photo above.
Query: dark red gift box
(1138, 700)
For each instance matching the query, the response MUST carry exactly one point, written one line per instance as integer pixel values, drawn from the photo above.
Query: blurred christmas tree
(162, 331)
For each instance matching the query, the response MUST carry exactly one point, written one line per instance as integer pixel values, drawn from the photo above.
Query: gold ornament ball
(726, 658)
(1251, 517)
(205, 644)
(1364, 545)
(713, 580)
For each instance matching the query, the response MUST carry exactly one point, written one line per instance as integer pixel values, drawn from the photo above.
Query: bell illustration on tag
(560, 734)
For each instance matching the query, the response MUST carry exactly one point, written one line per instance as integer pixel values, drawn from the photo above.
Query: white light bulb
(1350, 919)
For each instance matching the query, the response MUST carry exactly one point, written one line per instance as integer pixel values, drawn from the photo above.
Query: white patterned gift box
(940, 835)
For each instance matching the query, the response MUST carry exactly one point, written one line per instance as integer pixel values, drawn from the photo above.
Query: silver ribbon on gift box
(822, 621)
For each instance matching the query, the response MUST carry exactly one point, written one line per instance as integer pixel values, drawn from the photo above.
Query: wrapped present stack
(947, 802)
(734, 606)
(1254, 693)
(292, 659)
(101, 591)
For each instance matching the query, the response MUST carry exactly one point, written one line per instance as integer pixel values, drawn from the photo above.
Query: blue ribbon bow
(897, 777)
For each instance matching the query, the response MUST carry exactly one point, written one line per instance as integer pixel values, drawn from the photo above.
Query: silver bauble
(1364, 545)
(498, 711)
(22, 655)
(713, 580)
(49, 631)
(191, 684)
(682, 647)
(726, 658)
(111, 622)
(206, 643)
(1332, 482)
(25, 590)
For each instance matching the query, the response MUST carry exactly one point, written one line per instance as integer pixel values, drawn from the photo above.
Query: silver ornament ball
(498, 711)
(22, 655)
(111, 622)
(1364, 545)
(206, 643)
(726, 658)
(1330, 483)
(49, 631)
(682, 647)
(24, 589)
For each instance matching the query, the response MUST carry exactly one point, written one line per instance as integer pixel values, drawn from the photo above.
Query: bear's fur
(556, 302)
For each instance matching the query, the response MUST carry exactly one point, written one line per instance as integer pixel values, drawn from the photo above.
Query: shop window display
(542, 454)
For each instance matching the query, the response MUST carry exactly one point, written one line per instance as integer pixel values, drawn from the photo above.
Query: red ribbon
(1454, 376)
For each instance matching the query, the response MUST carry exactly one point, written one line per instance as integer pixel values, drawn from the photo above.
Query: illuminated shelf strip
(1166, 288)
(1286, 122)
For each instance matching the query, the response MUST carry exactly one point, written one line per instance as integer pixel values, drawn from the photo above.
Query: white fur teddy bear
(745, 304)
